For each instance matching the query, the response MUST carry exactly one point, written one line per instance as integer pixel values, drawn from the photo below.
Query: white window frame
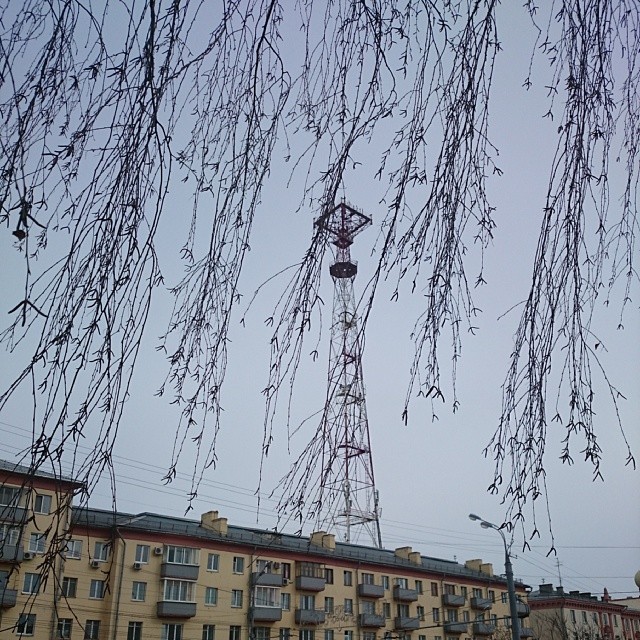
(10, 496)
(134, 630)
(138, 589)
(92, 629)
(176, 554)
(67, 580)
(64, 628)
(237, 598)
(211, 596)
(37, 542)
(172, 631)
(97, 589)
(42, 504)
(285, 601)
(101, 550)
(178, 590)
(208, 632)
(238, 564)
(31, 583)
(26, 625)
(73, 549)
(142, 553)
(213, 562)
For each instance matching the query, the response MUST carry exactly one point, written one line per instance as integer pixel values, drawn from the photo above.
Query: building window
(419, 587)
(64, 628)
(328, 576)
(178, 590)
(348, 578)
(492, 595)
(208, 632)
(172, 631)
(434, 588)
(9, 535)
(348, 634)
(134, 630)
(348, 605)
(42, 504)
(26, 624)
(328, 634)
(96, 589)
(142, 553)
(503, 597)
(101, 551)
(402, 610)
(306, 634)
(213, 562)
(421, 612)
(308, 602)
(238, 564)
(450, 589)
(605, 618)
(402, 583)
(385, 582)
(422, 637)
(139, 591)
(463, 591)
(328, 604)
(435, 615)
(584, 617)
(181, 555)
(286, 570)
(477, 593)
(37, 542)
(69, 587)
(285, 601)
(465, 616)
(92, 630)
(266, 597)
(211, 596)
(9, 496)
(73, 549)
(368, 578)
(371, 635)
(261, 633)
(31, 583)
(386, 609)
(284, 633)
(236, 598)
(235, 632)
(572, 613)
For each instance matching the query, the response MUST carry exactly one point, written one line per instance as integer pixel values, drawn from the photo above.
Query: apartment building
(148, 576)
(575, 615)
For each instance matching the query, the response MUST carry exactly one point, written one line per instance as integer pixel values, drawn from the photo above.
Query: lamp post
(515, 623)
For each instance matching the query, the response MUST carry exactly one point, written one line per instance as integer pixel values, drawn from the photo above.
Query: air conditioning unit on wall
(137, 565)
(157, 551)
(95, 564)
(28, 555)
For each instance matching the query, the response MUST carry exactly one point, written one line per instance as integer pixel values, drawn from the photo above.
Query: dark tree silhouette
(103, 112)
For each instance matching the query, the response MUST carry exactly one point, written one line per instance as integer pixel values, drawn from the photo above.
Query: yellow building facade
(100, 575)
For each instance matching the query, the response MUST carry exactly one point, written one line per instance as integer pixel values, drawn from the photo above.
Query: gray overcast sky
(430, 475)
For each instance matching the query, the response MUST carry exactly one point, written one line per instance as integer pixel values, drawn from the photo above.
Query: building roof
(29, 472)
(275, 542)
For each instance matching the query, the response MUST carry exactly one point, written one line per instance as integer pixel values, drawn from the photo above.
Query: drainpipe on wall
(114, 631)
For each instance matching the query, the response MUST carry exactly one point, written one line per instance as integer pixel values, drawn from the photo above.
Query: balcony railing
(483, 629)
(179, 571)
(8, 597)
(266, 579)
(310, 583)
(523, 609)
(452, 600)
(481, 604)
(404, 595)
(455, 627)
(266, 614)
(309, 616)
(406, 623)
(11, 552)
(169, 609)
(370, 590)
(371, 620)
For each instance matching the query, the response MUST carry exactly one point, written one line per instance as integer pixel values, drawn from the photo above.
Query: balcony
(310, 583)
(455, 627)
(526, 632)
(483, 629)
(522, 608)
(371, 620)
(11, 513)
(11, 553)
(481, 604)
(179, 571)
(309, 616)
(266, 579)
(7, 597)
(168, 609)
(266, 614)
(370, 590)
(452, 600)
(406, 623)
(404, 595)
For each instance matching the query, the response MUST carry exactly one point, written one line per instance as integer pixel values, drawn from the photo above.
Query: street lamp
(515, 624)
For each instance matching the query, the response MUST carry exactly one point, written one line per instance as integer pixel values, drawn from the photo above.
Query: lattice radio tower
(347, 462)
